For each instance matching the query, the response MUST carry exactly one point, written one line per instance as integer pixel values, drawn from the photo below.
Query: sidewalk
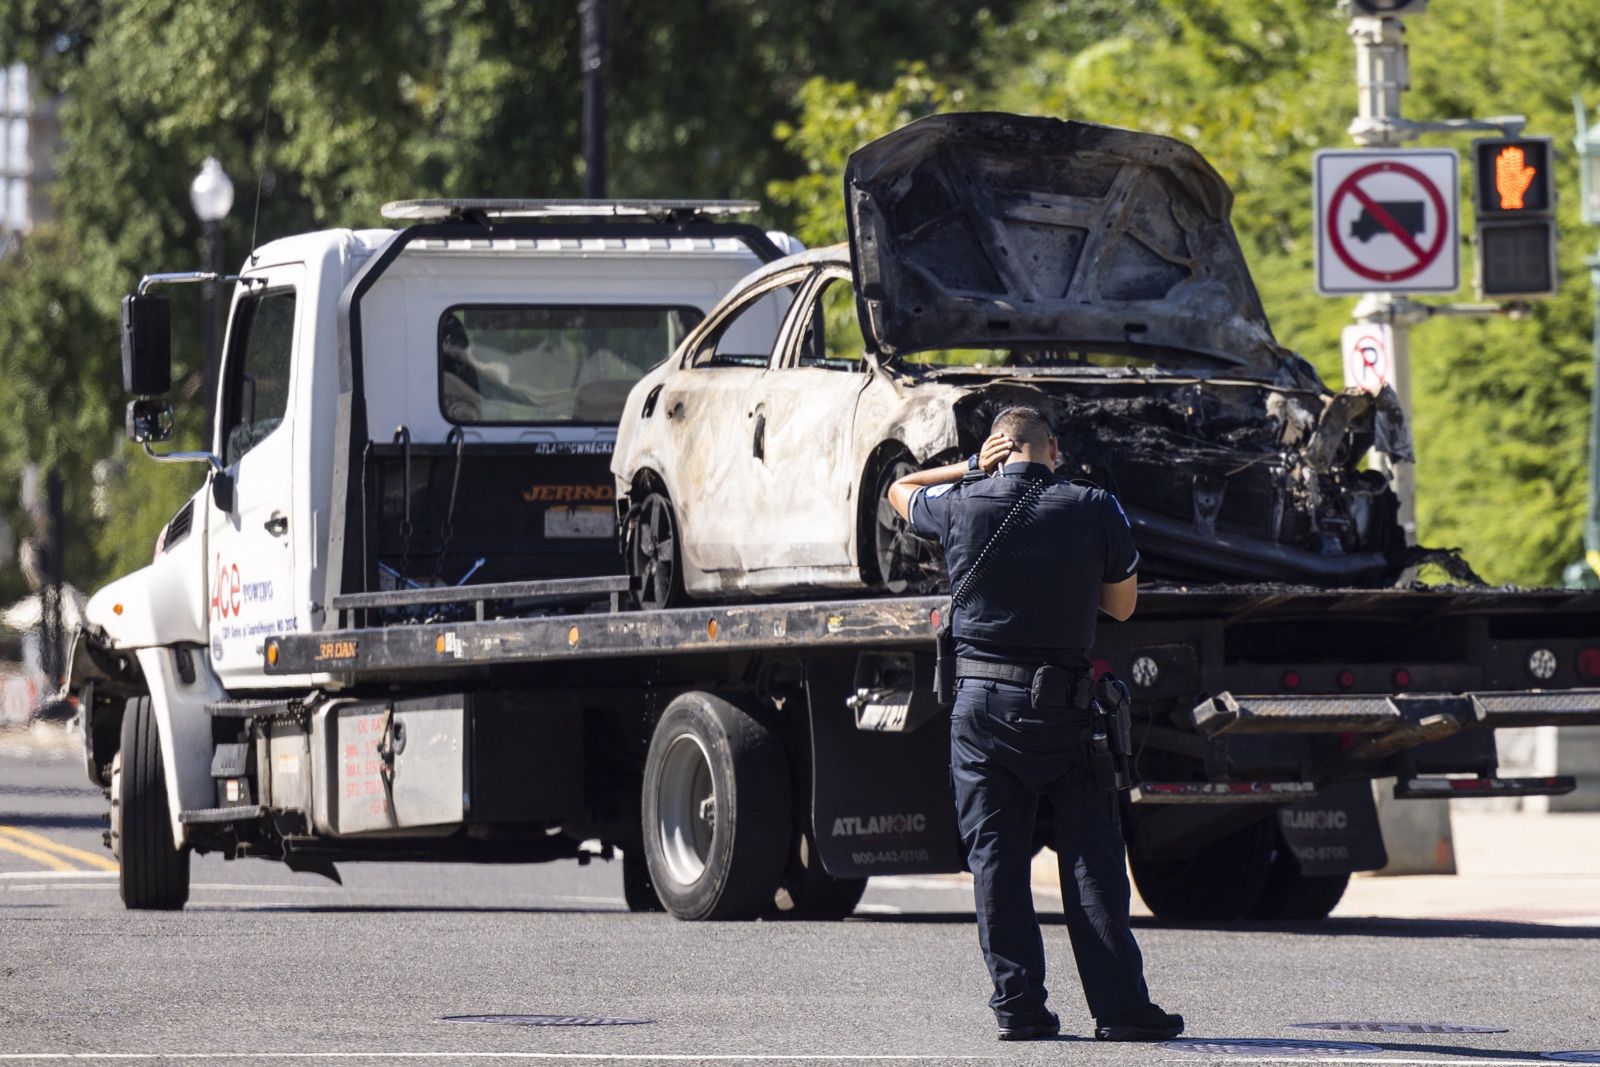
(1514, 867)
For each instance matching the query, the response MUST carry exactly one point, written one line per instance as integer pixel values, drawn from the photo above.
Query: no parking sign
(1368, 356)
(1387, 221)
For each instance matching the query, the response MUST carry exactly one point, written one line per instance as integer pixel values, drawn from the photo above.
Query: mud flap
(1336, 831)
(881, 802)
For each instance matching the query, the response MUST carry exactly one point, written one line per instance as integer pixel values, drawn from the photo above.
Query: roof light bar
(438, 210)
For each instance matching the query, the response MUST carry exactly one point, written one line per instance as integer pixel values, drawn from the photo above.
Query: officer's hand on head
(994, 451)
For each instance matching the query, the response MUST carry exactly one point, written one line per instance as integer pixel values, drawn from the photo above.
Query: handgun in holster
(1111, 734)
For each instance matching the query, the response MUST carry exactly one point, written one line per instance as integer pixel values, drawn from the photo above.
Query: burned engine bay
(1225, 480)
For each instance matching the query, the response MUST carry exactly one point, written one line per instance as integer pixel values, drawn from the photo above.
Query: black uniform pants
(1003, 757)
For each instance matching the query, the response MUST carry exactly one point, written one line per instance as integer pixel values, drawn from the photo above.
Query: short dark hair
(1024, 425)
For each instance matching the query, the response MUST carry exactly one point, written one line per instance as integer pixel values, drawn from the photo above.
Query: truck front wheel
(715, 810)
(1222, 881)
(155, 872)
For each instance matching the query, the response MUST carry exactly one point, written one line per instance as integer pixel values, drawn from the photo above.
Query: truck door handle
(278, 525)
(758, 446)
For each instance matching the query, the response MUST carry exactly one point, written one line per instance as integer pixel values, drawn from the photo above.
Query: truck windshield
(533, 364)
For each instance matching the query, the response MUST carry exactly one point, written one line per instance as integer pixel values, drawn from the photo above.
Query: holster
(944, 663)
(1111, 734)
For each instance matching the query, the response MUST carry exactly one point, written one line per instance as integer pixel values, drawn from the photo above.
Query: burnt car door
(803, 409)
(709, 407)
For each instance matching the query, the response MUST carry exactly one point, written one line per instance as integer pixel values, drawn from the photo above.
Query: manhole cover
(1256, 1046)
(545, 1020)
(1404, 1028)
(1591, 1056)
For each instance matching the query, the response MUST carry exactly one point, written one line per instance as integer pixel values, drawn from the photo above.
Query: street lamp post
(211, 193)
(1586, 572)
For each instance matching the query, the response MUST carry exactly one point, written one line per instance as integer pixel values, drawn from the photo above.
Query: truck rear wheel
(810, 892)
(154, 872)
(1221, 881)
(715, 809)
(1289, 894)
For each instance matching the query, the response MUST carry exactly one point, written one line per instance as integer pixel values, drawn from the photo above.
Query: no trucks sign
(1387, 221)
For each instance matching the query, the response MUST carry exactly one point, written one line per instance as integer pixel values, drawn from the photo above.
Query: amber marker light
(116, 609)
(572, 637)
(711, 629)
(272, 653)
(438, 644)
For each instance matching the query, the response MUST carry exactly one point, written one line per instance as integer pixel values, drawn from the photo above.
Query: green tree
(336, 108)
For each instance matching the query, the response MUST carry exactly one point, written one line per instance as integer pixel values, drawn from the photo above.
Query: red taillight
(1347, 678)
(1401, 678)
(1291, 679)
(1588, 664)
(933, 618)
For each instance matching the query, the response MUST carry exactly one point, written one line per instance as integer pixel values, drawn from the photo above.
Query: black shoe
(1047, 1026)
(1151, 1024)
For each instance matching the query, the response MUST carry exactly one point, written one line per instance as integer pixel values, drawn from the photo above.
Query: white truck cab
(360, 367)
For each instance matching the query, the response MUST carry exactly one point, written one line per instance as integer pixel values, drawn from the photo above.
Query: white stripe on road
(57, 874)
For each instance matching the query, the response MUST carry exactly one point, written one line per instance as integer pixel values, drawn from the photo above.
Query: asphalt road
(270, 967)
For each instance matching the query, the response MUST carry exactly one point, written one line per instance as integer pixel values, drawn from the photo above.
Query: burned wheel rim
(653, 561)
(901, 556)
(686, 808)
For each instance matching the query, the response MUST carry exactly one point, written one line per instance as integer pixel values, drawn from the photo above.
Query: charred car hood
(990, 231)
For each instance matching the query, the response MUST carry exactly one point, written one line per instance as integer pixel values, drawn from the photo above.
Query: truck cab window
(539, 364)
(257, 395)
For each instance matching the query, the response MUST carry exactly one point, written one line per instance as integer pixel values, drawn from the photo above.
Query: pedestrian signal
(1515, 195)
(1517, 259)
(1514, 177)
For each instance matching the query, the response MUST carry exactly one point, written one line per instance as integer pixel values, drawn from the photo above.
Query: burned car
(995, 260)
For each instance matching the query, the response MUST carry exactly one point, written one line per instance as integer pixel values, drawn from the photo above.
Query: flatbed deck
(381, 649)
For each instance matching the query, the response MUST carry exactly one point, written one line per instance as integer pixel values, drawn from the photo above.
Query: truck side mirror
(149, 421)
(222, 491)
(146, 345)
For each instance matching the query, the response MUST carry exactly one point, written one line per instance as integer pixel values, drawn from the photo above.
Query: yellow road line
(37, 855)
(93, 859)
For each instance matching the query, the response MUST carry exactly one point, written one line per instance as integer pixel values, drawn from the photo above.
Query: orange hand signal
(1512, 177)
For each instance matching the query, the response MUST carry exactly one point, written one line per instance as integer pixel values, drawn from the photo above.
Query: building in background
(29, 134)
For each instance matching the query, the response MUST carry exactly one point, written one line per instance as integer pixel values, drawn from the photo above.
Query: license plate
(588, 522)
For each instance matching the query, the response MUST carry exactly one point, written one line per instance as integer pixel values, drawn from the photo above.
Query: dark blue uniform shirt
(1038, 601)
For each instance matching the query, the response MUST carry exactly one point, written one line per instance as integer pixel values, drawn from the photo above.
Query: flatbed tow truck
(276, 685)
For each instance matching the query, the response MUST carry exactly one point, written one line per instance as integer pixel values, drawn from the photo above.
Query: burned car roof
(991, 230)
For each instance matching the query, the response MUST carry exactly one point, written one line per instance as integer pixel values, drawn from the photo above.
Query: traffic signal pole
(1381, 76)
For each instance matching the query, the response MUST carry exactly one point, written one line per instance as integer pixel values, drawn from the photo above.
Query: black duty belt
(1012, 674)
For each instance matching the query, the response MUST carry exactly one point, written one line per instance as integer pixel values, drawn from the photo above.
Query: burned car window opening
(520, 363)
(747, 334)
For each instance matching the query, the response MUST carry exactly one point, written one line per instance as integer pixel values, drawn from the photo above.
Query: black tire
(637, 888)
(1222, 881)
(810, 892)
(1288, 894)
(154, 873)
(654, 553)
(715, 810)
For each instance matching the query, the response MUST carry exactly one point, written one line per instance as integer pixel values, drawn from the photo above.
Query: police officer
(1068, 554)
